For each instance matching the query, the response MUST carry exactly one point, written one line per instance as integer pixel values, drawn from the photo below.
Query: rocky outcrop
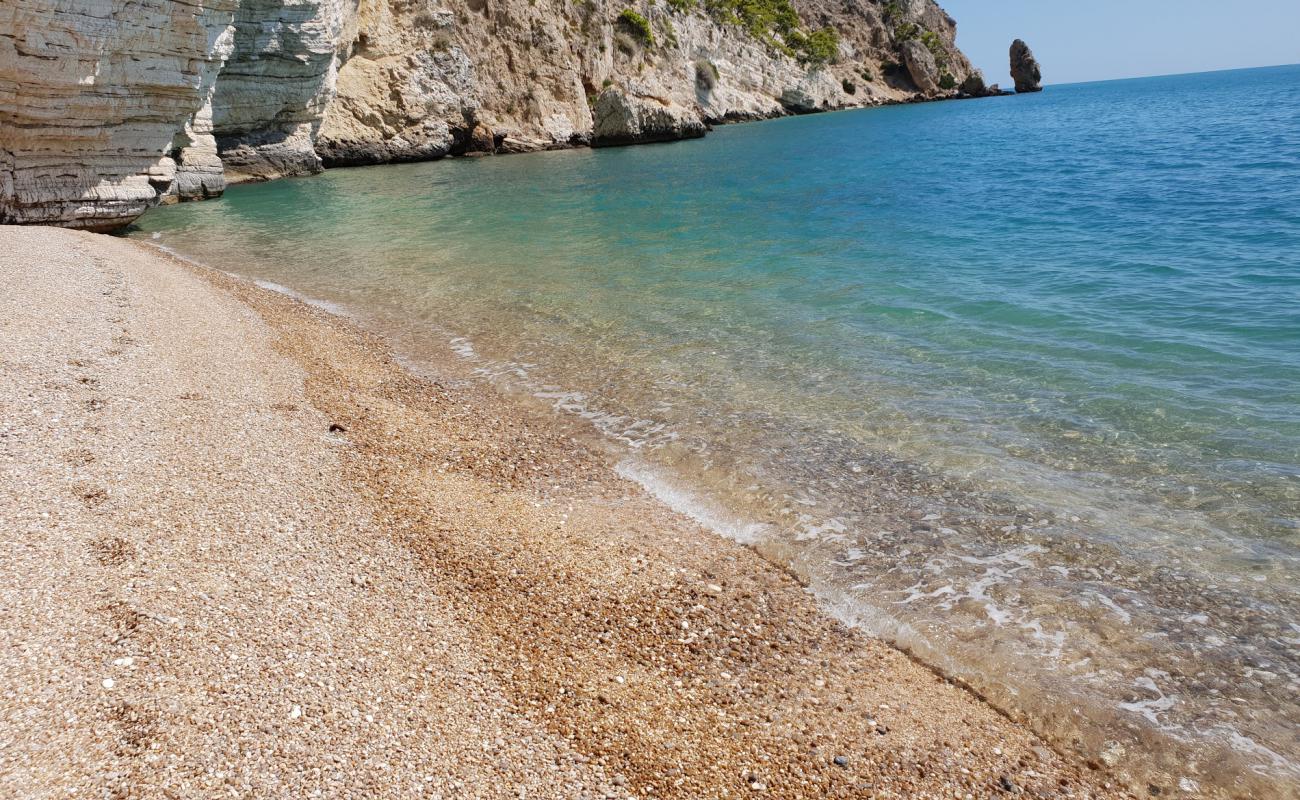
(921, 66)
(974, 85)
(274, 88)
(105, 111)
(1024, 68)
(622, 117)
(406, 92)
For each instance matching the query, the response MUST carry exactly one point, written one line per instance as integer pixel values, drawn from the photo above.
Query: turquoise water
(1014, 382)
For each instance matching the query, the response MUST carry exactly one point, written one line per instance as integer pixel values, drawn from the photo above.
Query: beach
(251, 554)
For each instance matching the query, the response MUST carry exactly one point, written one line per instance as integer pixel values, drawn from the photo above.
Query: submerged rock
(622, 117)
(1024, 68)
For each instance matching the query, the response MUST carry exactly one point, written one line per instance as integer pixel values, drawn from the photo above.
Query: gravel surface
(247, 554)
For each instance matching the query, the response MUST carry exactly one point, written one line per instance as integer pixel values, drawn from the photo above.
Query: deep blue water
(1014, 382)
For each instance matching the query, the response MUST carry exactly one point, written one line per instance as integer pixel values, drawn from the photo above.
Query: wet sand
(250, 554)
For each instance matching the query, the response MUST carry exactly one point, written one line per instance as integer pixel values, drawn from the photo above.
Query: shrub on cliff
(636, 25)
(822, 45)
(777, 24)
(706, 75)
(762, 18)
(934, 44)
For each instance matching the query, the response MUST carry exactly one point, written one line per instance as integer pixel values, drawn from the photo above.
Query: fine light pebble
(207, 470)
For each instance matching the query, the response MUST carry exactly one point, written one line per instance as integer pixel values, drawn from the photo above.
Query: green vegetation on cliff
(777, 24)
(636, 25)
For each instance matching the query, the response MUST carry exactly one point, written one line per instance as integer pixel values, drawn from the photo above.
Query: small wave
(323, 305)
(691, 504)
(635, 432)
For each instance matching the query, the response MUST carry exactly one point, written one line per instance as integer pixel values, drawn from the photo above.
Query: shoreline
(242, 179)
(647, 655)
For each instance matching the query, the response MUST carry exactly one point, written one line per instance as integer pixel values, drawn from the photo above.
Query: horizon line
(1171, 74)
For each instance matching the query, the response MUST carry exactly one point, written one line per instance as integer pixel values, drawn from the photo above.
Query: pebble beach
(249, 554)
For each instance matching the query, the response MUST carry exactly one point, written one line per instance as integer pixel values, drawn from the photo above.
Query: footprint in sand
(137, 726)
(112, 551)
(90, 495)
(120, 344)
(79, 457)
(124, 620)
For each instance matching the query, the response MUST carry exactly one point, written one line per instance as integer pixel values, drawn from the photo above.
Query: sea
(1013, 383)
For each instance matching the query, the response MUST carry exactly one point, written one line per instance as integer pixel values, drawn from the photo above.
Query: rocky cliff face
(277, 83)
(110, 106)
(104, 109)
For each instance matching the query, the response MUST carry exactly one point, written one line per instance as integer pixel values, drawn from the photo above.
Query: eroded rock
(273, 90)
(921, 66)
(105, 114)
(102, 113)
(1024, 68)
(974, 85)
(622, 117)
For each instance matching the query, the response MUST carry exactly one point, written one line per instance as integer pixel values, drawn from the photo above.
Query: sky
(1103, 39)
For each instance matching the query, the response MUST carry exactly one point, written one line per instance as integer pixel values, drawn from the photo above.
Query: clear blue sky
(1092, 40)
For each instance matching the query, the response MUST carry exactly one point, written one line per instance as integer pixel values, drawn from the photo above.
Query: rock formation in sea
(1024, 68)
(107, 110)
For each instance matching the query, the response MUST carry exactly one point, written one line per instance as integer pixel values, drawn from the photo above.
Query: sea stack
(1024, 68)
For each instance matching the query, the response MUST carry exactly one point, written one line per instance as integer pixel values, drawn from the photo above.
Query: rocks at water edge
(921, 66)
(102, 113)
(103, 116)
(625, 117)
(1024, 68)
(973, 85)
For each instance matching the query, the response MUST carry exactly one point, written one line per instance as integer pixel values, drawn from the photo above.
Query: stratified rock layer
(99, 103)
(277, 83)
(108, 107)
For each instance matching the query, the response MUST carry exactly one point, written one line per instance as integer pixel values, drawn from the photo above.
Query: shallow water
(1014, 382)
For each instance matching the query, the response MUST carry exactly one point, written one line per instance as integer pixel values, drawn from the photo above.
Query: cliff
(108, 108)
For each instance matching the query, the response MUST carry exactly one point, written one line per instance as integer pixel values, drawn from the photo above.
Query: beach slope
(248, 554)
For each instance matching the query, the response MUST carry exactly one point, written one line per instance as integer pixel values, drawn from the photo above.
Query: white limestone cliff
(109, 107)
(97, 104)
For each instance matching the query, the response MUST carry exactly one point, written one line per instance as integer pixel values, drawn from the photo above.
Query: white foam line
(323, 305)
(685, 501)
